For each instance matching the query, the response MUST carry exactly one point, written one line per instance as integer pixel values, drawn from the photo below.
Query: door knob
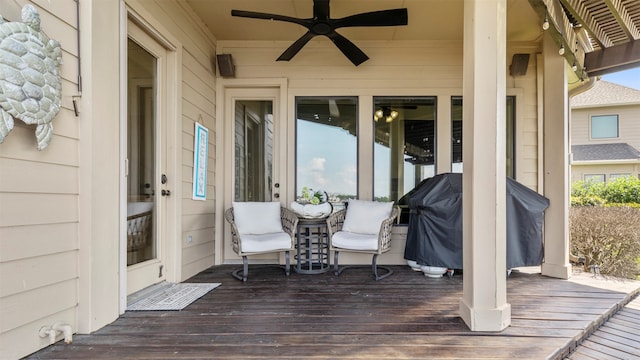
(276, 195)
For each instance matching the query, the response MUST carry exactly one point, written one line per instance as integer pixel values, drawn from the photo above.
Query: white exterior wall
(39, 215)
(628, 122)
(629, 132)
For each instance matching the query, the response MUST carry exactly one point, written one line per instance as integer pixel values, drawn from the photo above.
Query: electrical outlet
(189, 239)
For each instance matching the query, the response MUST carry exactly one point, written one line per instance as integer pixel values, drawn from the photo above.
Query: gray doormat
(172, 296)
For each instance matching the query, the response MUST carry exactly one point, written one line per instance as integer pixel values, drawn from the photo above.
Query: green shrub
(608, 237)
(631, 205)
(590, 200)
(622, 190)
(587, 189)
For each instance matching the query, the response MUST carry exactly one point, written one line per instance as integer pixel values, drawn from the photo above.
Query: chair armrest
(235, 237)
(289, 221)
(386, 228)
(335, 222)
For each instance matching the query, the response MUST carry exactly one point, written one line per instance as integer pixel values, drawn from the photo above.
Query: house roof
(604, 152)
(604, 93)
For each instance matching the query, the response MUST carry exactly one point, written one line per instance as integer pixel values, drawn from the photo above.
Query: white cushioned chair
(259, 228)
(364, 227)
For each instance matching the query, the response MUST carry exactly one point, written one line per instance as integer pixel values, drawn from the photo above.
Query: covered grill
(434, 236)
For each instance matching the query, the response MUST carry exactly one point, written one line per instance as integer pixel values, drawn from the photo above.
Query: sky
(629, 78)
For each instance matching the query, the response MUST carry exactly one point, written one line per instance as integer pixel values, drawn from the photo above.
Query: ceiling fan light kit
(387, 114)
(322, 24)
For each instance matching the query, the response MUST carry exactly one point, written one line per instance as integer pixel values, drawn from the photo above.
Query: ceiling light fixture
(561, 50)
(545, 23)
(574, 67)
(385, 113)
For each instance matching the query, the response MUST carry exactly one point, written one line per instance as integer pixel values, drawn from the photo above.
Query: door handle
(165, 192)
(276, 195)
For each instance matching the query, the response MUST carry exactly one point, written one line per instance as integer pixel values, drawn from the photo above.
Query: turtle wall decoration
(30, 84)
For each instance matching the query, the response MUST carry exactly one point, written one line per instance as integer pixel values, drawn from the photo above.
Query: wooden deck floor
(405, 316)
(618, 338)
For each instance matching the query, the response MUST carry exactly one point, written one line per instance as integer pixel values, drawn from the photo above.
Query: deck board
(616, 339)
(405, 316)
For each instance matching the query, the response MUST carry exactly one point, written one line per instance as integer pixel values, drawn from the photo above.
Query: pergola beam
(613, 59)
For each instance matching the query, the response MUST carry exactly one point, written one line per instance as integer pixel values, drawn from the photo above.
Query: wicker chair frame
(289, 225)
(334, 224)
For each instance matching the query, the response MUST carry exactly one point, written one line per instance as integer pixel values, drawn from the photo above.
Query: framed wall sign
(200, 157)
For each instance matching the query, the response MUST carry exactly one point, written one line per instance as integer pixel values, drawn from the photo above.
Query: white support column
(484, 305)
(556, 163)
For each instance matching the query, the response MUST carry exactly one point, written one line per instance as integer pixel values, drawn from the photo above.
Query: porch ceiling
(428, 19)
(613, 26)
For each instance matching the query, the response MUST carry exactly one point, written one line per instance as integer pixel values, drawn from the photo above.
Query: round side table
(312, 246)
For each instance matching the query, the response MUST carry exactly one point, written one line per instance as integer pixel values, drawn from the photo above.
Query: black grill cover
(434, 236)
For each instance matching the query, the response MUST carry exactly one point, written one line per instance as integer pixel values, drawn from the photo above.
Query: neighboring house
(115, 203)
(605, 133)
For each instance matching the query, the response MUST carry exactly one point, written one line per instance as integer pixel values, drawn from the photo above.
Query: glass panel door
(141, 152)
(253, 150)
(146, 61)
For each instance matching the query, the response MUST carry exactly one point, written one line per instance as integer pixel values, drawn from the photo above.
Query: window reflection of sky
(326, 159)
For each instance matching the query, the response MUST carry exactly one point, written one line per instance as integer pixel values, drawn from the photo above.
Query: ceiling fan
(322, 24)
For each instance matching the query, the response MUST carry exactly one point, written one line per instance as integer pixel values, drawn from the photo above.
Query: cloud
(317, 164)
(313, 174)
(348, 176)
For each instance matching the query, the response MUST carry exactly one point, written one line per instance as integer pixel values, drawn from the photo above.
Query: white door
(255, 151)
(147, 181)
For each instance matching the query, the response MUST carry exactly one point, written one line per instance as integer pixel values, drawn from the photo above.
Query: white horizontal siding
(38, 303)
(36, 241)
(39, 213)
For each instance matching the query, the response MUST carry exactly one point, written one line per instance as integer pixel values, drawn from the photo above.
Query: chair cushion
(354, 241)
(365, 217)
(265, 242)
(257, 217)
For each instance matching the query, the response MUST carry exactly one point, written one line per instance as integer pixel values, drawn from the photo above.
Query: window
(456, 135)
(604, 126)
(327, 146)
(405, 144)
(596, 178)
(617, 176)
(511, 136)
(253, 150)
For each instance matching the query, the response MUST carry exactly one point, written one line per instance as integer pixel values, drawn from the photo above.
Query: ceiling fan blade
(259, 15)
(349, 49)
(296, 47)
(393, 17)
(321, 9)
